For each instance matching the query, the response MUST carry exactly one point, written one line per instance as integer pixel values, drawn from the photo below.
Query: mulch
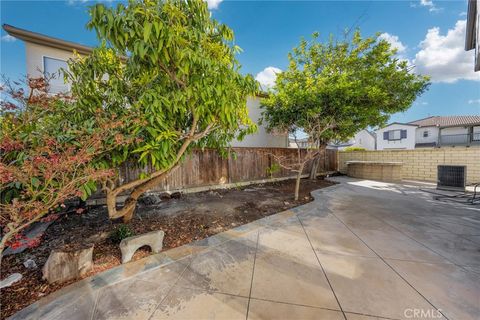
(200, 215)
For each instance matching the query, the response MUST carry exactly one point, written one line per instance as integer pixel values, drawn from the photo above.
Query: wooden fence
(207, 167)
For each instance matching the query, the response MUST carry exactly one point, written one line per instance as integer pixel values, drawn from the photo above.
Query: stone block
(62, 266)
(129, 245)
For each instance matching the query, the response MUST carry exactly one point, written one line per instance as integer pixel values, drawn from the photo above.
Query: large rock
(129, 245)
(11, 279)
(62, 266)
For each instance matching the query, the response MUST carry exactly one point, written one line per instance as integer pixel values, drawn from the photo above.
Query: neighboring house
(472, 36)
(261, 138)
(46, 55)
(430, 132)
(300, 143)
(362, 139)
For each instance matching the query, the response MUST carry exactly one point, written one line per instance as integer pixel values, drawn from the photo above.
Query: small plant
(274, 168)
(121, 232)
(352, 148)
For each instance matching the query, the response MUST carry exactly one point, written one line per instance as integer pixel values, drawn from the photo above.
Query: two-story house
(46, 55)
(431, 132)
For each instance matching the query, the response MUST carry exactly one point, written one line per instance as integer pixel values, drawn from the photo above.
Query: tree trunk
(297, 182)
(313, 171)
(128, 209)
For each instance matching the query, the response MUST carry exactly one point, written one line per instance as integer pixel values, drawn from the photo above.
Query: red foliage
(40, 169)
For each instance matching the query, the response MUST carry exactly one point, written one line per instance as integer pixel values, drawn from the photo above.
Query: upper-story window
(425, 134)
(393, 135)
(51, 69)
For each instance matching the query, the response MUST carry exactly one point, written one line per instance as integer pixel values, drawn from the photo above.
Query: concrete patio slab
(138, 297)
(282, 279)
(450, 288)
(369, 286)
(226, 268)
(261, 310)
(183, 303)
(395, 245)
(361, 250)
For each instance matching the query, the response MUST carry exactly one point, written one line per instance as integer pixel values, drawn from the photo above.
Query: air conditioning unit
(451, 177)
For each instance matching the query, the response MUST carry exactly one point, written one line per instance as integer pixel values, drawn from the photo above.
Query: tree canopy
(172, 66)
(333, 89)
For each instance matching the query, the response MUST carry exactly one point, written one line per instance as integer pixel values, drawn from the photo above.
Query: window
(51, 69)
(425, 134)
(393, 135)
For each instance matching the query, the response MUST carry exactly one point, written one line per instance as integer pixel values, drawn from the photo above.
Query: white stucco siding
(364, 139)
(405, 143)
(261, 138)
(432, 135)
(35, 55)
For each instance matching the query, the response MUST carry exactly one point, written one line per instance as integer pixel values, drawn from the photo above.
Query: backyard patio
(360, 250)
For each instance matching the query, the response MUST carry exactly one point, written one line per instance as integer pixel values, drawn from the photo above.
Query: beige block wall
(420, 164)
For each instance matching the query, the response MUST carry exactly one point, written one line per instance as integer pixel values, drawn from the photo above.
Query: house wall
(261, 138)
(420, 164)
(364, 139)
(35, 54)
(407, 143)
(432, 135)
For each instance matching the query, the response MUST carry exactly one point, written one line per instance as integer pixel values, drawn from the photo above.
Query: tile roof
(450, 121)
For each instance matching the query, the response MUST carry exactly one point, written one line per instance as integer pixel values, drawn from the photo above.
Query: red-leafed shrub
(45, 158)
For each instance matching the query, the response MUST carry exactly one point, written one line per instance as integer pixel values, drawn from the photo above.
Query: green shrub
(354, 149)
(274, 168)
(121, 232)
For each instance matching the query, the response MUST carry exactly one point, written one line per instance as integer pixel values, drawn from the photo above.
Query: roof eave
(37, 38)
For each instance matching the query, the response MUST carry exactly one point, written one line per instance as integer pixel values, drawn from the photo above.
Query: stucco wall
(364, 139)
(407, 143)
(261, 138)
(35, 54)
(420, 164)
(432, 135)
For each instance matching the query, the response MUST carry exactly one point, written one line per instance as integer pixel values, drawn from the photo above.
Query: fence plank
(207, 167)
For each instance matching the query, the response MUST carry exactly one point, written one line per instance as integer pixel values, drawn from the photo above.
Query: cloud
(213, 4)
(430, 5)
(8, 38)
(267, 77)
(474, 101)
(463, 14)
(424, 103)
(394, 42)
(443, 57)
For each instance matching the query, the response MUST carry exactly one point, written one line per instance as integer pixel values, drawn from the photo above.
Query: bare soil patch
(184, 218)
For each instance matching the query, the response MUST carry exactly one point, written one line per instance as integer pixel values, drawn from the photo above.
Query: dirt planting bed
(184, 218)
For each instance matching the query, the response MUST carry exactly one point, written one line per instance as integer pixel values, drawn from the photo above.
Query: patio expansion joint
(323, 270)
(393, 269)
(253, 273)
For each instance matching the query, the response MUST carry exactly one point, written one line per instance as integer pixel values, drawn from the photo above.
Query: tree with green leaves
(174, 67)
(333, 89)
